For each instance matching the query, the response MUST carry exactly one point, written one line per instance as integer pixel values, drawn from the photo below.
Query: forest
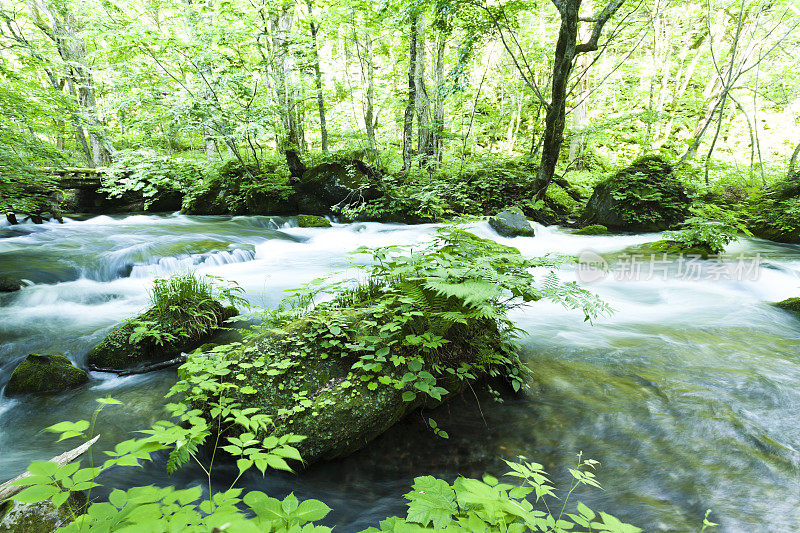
(458, 265)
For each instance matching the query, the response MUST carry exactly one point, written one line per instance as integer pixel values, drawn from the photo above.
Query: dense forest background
(169, 91)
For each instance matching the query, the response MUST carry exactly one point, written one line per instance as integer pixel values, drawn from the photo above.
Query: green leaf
(433, 501)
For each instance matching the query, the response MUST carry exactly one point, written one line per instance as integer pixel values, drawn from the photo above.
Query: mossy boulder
(45, 373)
(511, 223)
(312, 221)
(594, 229)
(334, 182)
(790, 304)
(321, 396)
(671, 247)
(10, 283)
(645, 196)
(43, 517)
(117, 352)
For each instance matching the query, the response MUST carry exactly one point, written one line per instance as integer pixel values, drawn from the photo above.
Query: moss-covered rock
(318, 394)
(594, 229)
(789, 304)
(646, 196)
(312, 221)
(45, 373)
(16, 517)
(667, 246)
(117, 352)
(10, 283)
(511, 223)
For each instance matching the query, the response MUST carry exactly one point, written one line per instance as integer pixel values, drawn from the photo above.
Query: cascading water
(688, 394)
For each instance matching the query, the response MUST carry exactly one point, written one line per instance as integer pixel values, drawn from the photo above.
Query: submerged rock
(312, 221)
(594, 229)
(511, 223)
(10, 283)
(646, 196)
(45, 373)
(117, 351)
(43, 517)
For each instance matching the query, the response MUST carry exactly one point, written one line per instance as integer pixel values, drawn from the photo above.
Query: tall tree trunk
(281, 22)
(369, 108)
(556, 110)
(323, 124)
(580, 114)
(566, 50)
(424, 141)
(438, 99)
(62, 27)
(408, 118)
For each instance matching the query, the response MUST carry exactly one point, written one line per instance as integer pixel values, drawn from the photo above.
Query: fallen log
(7, 490)
(143, 369)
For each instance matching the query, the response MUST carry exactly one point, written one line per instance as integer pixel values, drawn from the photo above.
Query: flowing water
(689, 394)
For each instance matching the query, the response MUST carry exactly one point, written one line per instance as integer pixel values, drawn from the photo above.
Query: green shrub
(711, 229)
(230, 189)
(774, 213)
(149, 173)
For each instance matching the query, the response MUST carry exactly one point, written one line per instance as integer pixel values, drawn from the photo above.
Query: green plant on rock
(185, 306)
(709, 231)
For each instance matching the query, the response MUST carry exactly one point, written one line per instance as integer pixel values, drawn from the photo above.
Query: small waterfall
(164, 266)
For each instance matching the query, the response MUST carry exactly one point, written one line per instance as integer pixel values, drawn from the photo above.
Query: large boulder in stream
(645, 196)
(45, 373)
(511, 222)
(149, 338)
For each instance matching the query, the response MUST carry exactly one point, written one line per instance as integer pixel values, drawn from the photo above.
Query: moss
(45, 373)
(594, 229)
(790, 304)
(312, 221)
(16, 517)
(666, 246)
(117, 352)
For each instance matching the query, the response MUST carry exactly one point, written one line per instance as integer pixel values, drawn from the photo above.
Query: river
(688, 394)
